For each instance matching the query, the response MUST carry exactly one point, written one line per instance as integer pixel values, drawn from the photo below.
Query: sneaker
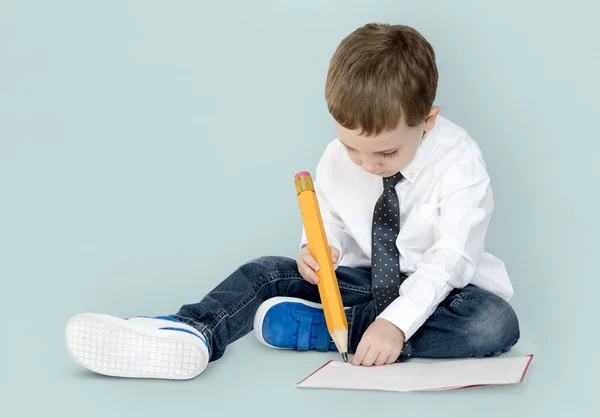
(291, 323)
(142, 347)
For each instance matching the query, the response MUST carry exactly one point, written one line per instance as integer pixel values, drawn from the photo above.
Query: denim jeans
(470, 322)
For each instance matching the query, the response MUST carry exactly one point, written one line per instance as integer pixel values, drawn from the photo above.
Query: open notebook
(412, 376)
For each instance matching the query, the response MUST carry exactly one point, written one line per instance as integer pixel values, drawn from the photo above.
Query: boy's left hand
(381, 344)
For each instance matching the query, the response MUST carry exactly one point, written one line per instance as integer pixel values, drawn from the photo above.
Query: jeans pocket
(460, 304)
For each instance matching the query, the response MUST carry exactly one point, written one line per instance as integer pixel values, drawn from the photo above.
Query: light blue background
(148, 148)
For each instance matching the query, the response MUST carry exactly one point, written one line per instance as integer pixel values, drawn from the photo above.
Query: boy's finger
(314, 278)
(335, 254)
(360, 353)
(311, 262)
(370, 356)
(382, 358)
(307, 273)
(392, 358)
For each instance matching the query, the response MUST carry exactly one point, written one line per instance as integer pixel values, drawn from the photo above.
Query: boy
(406, 202)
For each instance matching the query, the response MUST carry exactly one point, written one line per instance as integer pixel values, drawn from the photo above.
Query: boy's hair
(379, 73)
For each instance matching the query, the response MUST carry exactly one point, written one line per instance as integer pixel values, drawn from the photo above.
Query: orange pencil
(331, 299)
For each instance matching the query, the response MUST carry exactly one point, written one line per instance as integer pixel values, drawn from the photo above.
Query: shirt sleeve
(465, 207)
(332, 223)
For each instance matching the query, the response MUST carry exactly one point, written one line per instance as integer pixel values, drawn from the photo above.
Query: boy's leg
(470, 322)
(227, 313)
(179, 346)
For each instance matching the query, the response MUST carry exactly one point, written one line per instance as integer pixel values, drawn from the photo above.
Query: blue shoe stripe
(170, 318)
(185, 330)
(166, 318)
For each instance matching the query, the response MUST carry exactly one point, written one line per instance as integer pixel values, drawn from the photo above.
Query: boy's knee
(493, 326)
(262, 266)
(271, 261)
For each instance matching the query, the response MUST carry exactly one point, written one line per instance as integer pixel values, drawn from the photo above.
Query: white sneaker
(142, 347)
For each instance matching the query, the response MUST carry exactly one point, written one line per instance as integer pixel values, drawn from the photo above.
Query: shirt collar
(422, 156)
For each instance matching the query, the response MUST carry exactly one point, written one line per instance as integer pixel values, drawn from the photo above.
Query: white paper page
(412, 376)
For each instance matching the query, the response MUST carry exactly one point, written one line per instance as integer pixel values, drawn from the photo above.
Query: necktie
(385, 257)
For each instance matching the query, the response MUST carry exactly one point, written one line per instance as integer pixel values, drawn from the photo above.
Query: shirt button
(411, 176)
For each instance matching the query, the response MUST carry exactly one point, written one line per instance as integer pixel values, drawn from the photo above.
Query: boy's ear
(430, 119)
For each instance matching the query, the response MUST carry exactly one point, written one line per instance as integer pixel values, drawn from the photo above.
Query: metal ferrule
(304, 184)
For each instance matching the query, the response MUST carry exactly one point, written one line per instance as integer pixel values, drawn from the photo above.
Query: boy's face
(386, 154)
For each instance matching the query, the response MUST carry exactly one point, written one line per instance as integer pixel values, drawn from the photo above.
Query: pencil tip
(345, 357)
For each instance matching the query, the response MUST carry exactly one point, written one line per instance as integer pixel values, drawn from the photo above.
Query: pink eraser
(301, 174)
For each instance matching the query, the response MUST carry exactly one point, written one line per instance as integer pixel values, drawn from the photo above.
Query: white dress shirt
(445, 207)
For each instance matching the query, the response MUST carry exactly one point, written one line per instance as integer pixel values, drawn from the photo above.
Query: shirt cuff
(404, 314)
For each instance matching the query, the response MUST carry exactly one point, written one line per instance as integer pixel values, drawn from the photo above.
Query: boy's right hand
(308, 266)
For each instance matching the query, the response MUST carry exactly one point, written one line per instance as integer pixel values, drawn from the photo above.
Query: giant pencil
(329, 291)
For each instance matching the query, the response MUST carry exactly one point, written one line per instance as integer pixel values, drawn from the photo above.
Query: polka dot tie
(385, 257)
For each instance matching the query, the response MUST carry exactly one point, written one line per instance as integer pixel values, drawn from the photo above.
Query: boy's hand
(381, 344)
(307, 265)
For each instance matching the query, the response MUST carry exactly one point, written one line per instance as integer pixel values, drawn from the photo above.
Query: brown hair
(379, 73)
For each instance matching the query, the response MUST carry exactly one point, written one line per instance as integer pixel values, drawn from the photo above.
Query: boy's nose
(372, 167)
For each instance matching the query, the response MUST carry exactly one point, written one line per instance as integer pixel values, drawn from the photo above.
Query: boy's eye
(390, 154)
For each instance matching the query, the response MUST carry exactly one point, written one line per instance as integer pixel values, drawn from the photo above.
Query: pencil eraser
(302, 174)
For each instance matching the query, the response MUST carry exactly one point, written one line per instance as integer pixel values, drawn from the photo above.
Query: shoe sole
(268, 304)
(116, 347)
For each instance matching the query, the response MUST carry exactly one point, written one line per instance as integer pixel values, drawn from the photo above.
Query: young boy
(406, 201)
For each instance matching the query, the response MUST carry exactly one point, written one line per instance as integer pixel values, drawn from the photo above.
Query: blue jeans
(470, 322)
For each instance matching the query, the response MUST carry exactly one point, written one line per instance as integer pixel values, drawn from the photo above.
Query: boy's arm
(459, 239)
